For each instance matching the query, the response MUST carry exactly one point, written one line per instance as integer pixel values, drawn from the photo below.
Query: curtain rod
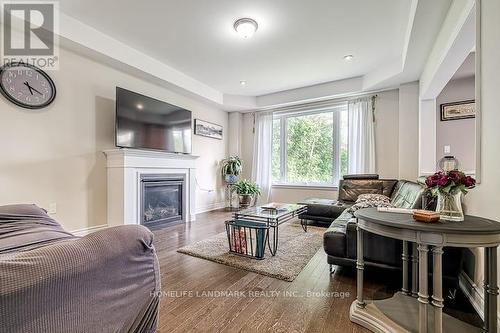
(318, 104)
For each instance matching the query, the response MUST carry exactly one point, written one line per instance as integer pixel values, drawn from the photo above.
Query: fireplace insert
(162, 199)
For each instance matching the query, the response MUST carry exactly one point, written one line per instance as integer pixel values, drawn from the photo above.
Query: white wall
(460, 134)
(233, 133)
(386, 136)
(54, 155)
(484, 199)
(408, 131)
(427, 137)
(247, 136)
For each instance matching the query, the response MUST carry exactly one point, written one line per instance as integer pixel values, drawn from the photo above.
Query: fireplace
(162, 199)
(130, 170)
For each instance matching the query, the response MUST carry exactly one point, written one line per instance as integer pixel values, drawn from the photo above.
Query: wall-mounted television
(146, 123)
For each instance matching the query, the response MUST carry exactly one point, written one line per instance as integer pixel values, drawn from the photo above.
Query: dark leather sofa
(340, 238)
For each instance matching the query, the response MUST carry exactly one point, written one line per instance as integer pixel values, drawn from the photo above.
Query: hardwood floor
(314, 302)
(264, 304)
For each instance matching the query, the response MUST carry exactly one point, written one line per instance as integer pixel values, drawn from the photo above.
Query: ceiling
(298, 44)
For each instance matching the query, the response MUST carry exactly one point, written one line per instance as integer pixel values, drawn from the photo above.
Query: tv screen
(146, 123)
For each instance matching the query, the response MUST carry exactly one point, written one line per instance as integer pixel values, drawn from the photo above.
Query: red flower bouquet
(451, 182)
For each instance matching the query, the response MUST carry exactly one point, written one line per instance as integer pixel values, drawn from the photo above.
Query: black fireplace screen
(161, 200)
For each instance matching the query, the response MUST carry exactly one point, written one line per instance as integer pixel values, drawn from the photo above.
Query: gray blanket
(52, 281)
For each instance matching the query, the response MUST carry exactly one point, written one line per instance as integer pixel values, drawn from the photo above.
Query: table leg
(360, 265)
(273, 248)
(437, 288)
(491, 289)
(414, 270)
(405, 258)
(303, 223)
(423, 296)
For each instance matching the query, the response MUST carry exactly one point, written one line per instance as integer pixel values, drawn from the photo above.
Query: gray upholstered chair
(52, 281)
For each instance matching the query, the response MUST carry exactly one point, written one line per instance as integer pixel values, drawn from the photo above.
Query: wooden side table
(401, 313)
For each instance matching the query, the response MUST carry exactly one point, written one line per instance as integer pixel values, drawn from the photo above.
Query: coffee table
(272, 219)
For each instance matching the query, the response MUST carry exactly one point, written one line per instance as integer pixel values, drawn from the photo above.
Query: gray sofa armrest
(334, 238)
(332, 211)
(107, 281)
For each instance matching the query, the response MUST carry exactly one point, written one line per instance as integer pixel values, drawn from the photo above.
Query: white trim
(125, 167)
(409, 30)
(85, 231)
(467, 172)
(210, 207)
(452, 45)
(477, 82)
(306, 187)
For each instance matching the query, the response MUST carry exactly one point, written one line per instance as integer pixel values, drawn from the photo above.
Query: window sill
(306, 187)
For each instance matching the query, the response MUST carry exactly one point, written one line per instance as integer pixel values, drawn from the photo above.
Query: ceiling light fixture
(245, 27)
(243, 83)
(348, 57)
(140, 106)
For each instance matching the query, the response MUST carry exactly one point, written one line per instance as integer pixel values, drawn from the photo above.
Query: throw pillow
(373, 197)
(371, 200)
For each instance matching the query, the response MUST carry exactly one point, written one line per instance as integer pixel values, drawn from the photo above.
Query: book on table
(274, 206)
(247, 237)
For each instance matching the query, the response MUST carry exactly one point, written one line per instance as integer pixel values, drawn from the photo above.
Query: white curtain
(361, 136)
(262, 154)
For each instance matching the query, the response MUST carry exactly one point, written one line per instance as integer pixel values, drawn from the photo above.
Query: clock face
(26, 86)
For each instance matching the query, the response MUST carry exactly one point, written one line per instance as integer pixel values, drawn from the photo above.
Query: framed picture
(458, 110)
(204, 128)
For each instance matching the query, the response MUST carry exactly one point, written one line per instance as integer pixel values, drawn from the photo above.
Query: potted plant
(231, 169)
(449, 187)
(246, 190)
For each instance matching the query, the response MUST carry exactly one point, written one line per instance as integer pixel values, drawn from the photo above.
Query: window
(310, 147)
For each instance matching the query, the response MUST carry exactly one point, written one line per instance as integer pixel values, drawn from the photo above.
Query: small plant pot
(231, 179)
(245, 200)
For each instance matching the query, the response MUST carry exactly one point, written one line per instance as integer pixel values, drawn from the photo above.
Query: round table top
(471, 224)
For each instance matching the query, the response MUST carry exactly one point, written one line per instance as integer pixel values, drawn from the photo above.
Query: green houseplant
(231, 169)
(246, 190)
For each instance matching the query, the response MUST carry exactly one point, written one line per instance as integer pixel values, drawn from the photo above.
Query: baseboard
(208, 208)
(89, 230)
(474, 293)
(202, 209)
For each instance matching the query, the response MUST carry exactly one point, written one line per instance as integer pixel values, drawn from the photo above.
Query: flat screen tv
(146, 123)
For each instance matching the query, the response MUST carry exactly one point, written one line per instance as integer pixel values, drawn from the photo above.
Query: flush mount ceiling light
(348, 57)
(245, 27)
(243, 83)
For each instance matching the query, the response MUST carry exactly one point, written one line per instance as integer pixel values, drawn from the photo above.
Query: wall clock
(26, 85)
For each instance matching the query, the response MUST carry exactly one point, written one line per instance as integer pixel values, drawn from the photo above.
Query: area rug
(295, 250)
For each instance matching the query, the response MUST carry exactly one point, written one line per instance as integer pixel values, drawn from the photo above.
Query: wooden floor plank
(265, 304)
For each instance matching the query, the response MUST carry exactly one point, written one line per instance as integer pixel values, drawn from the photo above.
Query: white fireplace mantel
(125, 168)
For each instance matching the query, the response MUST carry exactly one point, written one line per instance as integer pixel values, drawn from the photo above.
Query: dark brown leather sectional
(340, 238)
